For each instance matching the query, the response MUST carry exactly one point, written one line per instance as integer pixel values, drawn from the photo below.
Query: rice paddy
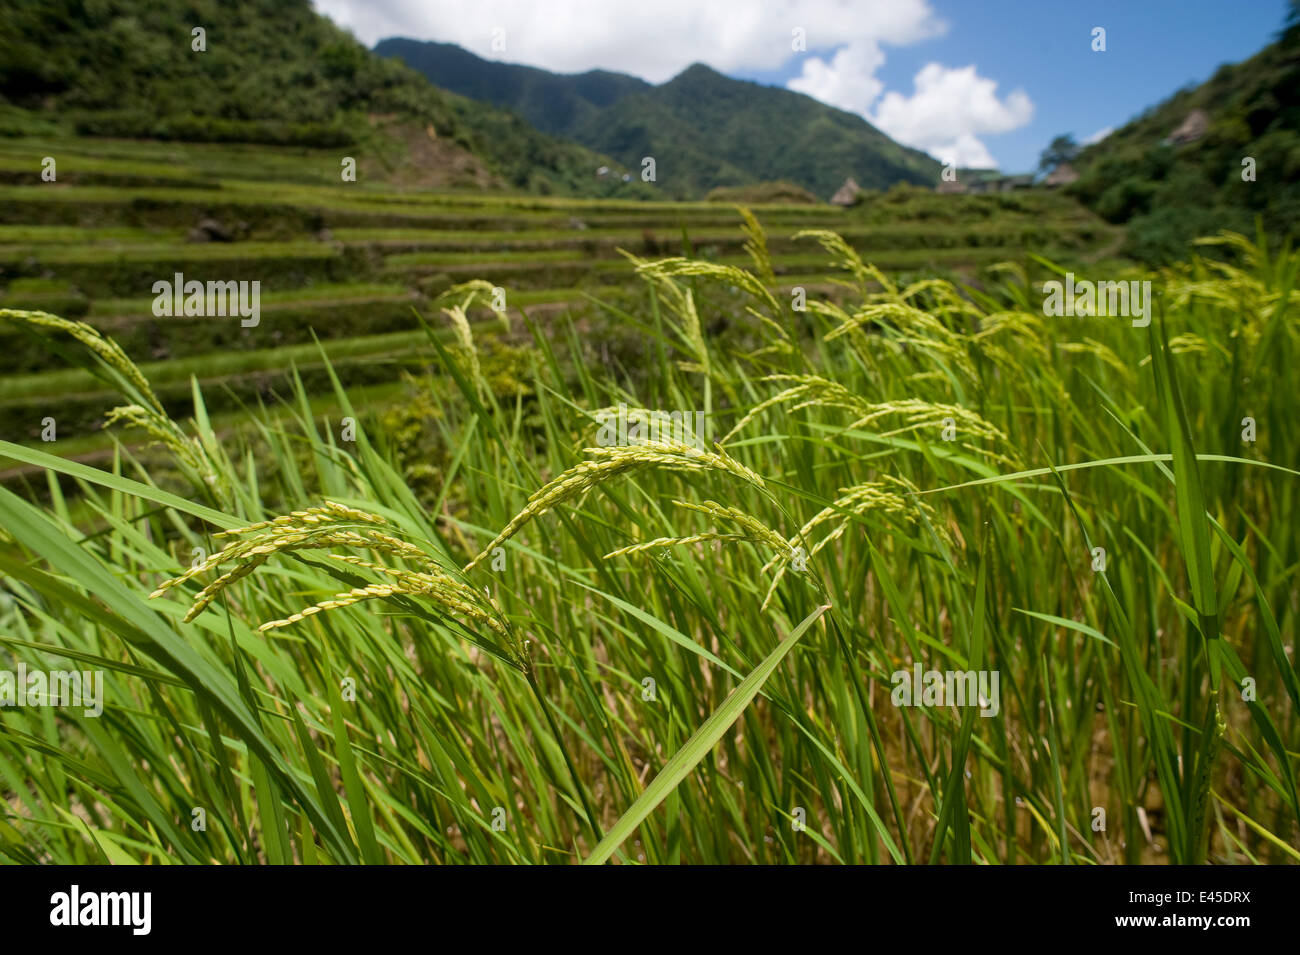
(369, 582)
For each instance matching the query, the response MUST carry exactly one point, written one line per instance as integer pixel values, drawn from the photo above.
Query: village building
(847, 194)
(1062, 175)
(1196, 125)
(996, 182)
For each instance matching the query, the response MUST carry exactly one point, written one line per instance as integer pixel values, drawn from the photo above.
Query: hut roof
(1196, 125)
(1062, 175)
(846, 194)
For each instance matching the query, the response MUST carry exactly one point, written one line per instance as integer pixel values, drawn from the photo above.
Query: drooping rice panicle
(613, 462)
(893, 498)
(847, 258)
(752, 530)
(746, 281)
(465, 338)
(813, 391)
(661, 542)
(107, 349)
(756, 247)
(652, 426)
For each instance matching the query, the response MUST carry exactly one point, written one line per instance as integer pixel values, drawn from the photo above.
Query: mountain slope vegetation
(704, 129)
(268, 71)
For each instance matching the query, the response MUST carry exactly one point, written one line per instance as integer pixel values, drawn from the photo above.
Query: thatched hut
(1196, 125)
(1062, 175)
(847, 194)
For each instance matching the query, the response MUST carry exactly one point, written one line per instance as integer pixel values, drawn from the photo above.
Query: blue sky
(1044, 47)
(980, 83)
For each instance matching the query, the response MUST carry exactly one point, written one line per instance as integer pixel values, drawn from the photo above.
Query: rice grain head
(337, 525)
(892, 498)
(752, 529)
(814, 391)
(613, 462)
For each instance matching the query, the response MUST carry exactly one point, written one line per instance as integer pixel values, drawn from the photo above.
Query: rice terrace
(397, 469)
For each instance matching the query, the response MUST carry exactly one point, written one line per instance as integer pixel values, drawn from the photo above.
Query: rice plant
(679, 650)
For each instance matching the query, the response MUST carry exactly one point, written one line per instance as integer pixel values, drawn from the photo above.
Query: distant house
(602, 172)
(980, 180)
(950, 188)
(847, 194)
(993, 181)
(1196, 125)
(1062, 175)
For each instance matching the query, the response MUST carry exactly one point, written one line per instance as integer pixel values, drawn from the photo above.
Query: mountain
(703, 129)
(269, 71)
(552, 102)
(1171, 188)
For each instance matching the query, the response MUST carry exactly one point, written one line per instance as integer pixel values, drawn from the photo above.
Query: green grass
(510, 686)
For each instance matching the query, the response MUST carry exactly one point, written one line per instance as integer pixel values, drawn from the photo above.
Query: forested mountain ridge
(703, 129)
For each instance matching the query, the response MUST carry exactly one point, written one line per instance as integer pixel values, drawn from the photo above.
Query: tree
(1290, 35)
(1062, 149)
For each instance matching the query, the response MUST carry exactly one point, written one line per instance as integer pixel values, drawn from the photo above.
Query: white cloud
(657, 40)
(949, 110)
(847, 81)
(1099, 135)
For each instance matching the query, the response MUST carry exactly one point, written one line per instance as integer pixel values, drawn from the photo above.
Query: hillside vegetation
(704, 129)
(1168, 193)
(273, 72)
